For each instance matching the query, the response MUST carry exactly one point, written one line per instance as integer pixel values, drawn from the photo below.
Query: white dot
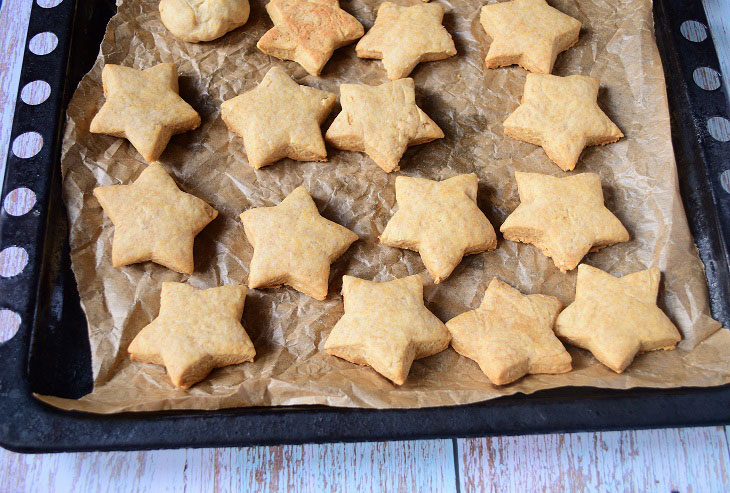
(9, 324)
(47, 4)
(19, 201)
(693, 31)
(719, 128)
(35, 92)
(43, 43)
(12, 261)
(725, 180)
(27, 145)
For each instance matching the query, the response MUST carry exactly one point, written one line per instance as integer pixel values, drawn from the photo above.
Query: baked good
(510, 334)
(278, 119)
(403, 37)
(203, 20)
(564, 217)
(616, 318)
(381, 121)
(294, 245)
(386, 326)
(440, 220)
(144, 107)
(154, 220)
(196, 331)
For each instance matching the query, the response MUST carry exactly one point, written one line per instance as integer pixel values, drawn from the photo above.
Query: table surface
(680, 459)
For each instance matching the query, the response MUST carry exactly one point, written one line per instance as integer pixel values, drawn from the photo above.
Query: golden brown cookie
(203, 20)
(294, 245)
(144, 107)
(440, 220)
(381, 121)
(510, 334)
(386, 326)
(529, 33)
(403, 37)
(616, 318)
(278, 119)
(561, 115)
(308, 31)
(563, 217)
(154, 220)
(196, 331)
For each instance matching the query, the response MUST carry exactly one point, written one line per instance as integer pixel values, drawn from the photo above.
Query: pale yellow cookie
(561, 115)
(196, 331)
(278, 119)
(308, 31)
(144, 107)
(203, 20)
(386, 326)
(564, 217)
(403, 37)
(511, 334)
(440, 220)
(616, 318)
(294, 245)
(381, 121)
(529, 33)
(154, 220)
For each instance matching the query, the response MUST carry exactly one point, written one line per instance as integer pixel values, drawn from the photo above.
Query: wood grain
(391, 466)
(660, 460)
(685, 459)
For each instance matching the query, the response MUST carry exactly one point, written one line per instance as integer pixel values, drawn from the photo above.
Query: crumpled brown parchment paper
(469, 103)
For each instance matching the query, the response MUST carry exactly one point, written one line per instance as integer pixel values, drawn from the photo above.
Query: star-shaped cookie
(203, 20)
(510, 334)
(561, 115)
(529, 33)
(154, 220)
(278, 119)
(196, 331)
(381, 121)
(386, 326)
(308, 31)
(616, 318)
(563, 217)
(144, 107)
(440, 220)
(403, 37)
(294, 245)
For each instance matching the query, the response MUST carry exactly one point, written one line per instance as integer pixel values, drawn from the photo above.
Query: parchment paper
(469, 103)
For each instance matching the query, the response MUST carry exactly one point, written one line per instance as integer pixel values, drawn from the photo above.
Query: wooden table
(684, 459)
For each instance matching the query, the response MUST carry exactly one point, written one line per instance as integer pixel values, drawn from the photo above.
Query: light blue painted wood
(422, 466)
(718, 16)
(679, 459)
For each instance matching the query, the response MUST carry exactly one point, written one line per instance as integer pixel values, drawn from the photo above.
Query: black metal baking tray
(50, 352)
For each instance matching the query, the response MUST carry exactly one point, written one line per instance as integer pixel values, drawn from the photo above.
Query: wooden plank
(678, 459)
(392, 466)
(14, 16)
(718, 16)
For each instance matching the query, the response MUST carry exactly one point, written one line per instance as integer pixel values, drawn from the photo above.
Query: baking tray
(50, 352)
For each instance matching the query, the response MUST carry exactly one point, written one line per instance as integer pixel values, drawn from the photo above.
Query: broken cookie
(381, 121)
(440, 220)
(564, 217)
(195, 332)
(510, 334)
(144, 107)
(278, 119)
(386, 326)
(154, 220)
(294, 245)
(616, 318)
